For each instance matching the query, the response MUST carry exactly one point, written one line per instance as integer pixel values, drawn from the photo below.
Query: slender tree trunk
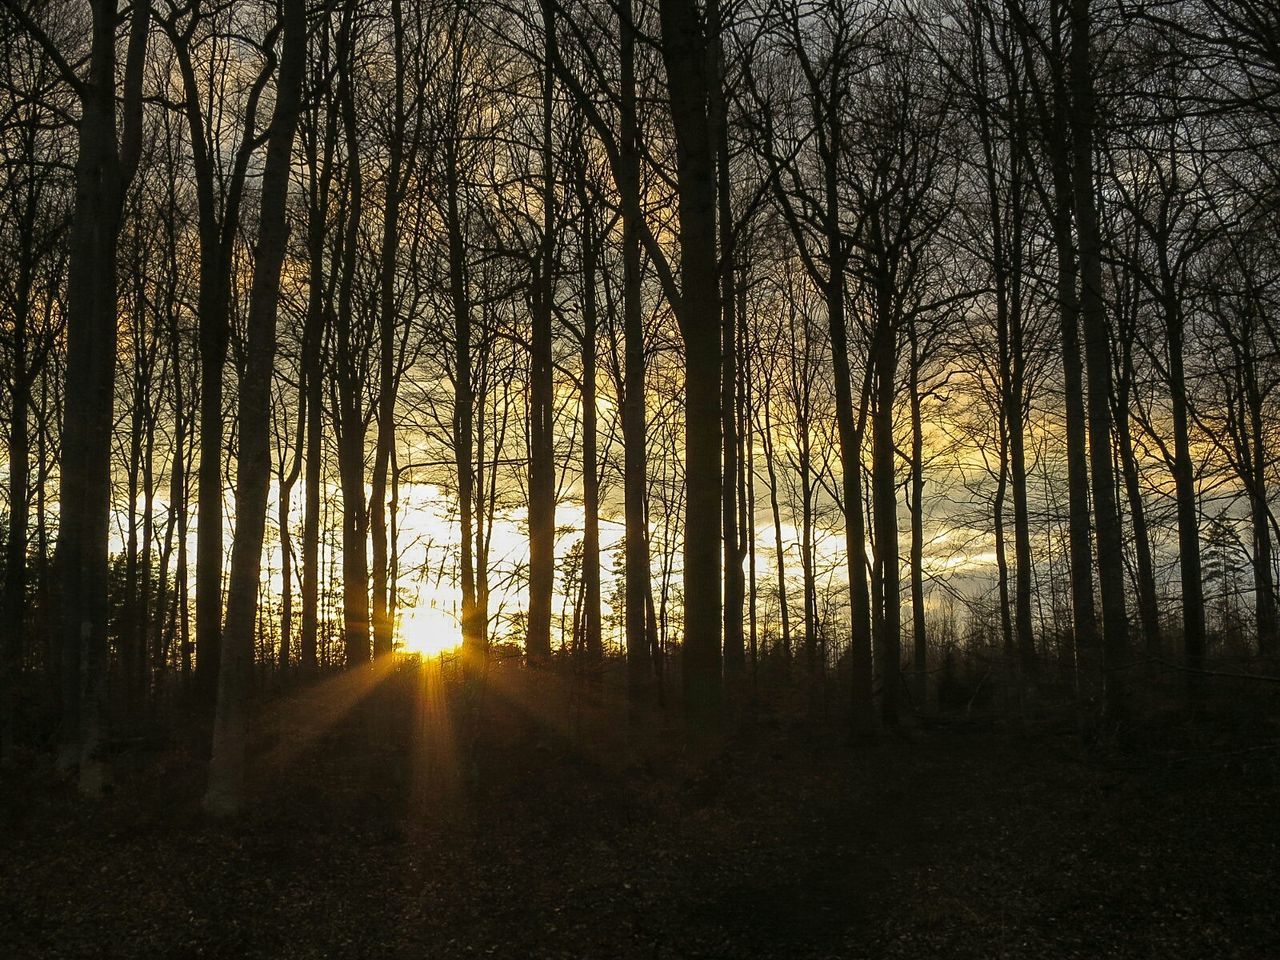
(349, 371)
(13, 601)
(850, 436)
(734, 647)
(1015, 416)
(804, 463)
(166, 626)
(1193, 625)
(1110, 550)
(542, 473)
(44, 589)
(146, 586)
(779, 552)
(393, 546)
(473, 626)
(307, 648)
(592, 638)
(1263, 579)
(181, 496)
(130, 640)
(312, 415)
(283, 511)
(214, 302)
(748, 499)
(1080, 523)
(388, 385)
(1264, 587)
(919, 634)
(1002, 554)
(885, 503)
(642, 668)
(318, 148)
(734, 643)
(1148, 602)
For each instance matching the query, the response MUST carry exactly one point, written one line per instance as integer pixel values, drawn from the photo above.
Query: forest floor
(382, 824)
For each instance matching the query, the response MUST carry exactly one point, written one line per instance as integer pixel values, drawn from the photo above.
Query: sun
(428, 631)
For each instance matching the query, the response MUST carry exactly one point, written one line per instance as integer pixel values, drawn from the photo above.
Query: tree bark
(734, 644)
(542, 473)
(919, 629)
(684, 51)
(885, 502)
(1189, 566)
(593, 640)
(388, 367)
(350, 370)
(1097, 343)
(642, 668)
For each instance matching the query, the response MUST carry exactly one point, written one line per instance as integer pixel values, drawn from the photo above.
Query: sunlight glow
(428, 631)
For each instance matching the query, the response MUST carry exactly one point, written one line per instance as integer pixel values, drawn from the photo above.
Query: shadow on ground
(403, 815)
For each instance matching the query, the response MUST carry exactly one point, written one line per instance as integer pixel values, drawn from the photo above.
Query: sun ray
(435, 782)
(304, 718)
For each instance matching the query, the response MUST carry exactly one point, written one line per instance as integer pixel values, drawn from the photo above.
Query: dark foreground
(382, 824)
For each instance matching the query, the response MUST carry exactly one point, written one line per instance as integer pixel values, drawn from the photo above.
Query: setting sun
(428, 631)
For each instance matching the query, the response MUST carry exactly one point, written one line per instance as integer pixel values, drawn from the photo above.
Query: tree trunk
(1015, 416)
(473, 626)
(388, 373)
(350, 371)
(1193, 625)
(734, 647)
(1097, 343)
(642, 668)
(286, 566)
(919, 635)
(850, 436)
(1002, 554)
(1148, 602)
(542, 473)
(1127, 310)
(591, 626)
(13, 600)
(1264, 587)
(779, 552)
(885, 503)
(684, 51)
(312, 378)
(1080, 523)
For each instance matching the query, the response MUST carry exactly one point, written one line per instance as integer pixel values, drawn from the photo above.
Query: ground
(383, 824)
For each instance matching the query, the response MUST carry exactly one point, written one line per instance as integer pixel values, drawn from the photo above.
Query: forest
(779, 458)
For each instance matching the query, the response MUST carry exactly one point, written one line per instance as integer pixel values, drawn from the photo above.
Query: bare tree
(225, 792)
(687, 38)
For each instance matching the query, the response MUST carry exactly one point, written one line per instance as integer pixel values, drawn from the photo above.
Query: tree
(105, 165)
(1097, 346)
(225, 792)
(34, 194)
(685, 51)
(196, 33)
(825, 247)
